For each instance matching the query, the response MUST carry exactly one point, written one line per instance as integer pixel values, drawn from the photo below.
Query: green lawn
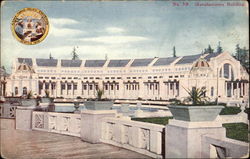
(237, 131)
(230, 111)
(155, 120)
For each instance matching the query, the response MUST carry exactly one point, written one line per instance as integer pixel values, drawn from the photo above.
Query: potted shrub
(195, 107)
(99, 103)
(29, 100)
(47, 98)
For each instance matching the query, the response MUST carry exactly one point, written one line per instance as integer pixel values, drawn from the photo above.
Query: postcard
(124, 79)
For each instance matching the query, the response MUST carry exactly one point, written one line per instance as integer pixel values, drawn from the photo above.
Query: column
(174, 87)
(237, 90)
(225, 89)
(232, 89)
(72, 89)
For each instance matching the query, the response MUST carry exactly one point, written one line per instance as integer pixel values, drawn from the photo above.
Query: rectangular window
(40, 77)
(128, 77)
(75, 86)
(176, 76)
(117, 87)
(46, 77)
(85, 78)
(112, 87)
(90, 87)
(140, 77)
(69, 86)
(53, 77)
(155, 76)
(134, 77)
(119, 78)
(69, 77)
(97, 78)
(85, 87)
(170, 76)
(106, 77)
(63, 77)
(63, 86)
(75, 77)
(91, 77)
(106, 87)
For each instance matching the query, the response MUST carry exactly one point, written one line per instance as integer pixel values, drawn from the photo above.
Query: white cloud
(64, 32)
(115, 39)
(114, 30)
(63, 21)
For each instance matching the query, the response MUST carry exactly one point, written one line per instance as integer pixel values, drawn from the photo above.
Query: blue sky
(122, 30)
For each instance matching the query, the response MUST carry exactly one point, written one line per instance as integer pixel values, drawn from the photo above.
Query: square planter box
(46, 100)
(195, 113)
(98, 105)
(28, 102)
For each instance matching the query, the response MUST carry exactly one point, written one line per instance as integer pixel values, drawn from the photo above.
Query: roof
(118, 63)
(209, 56)
(71, 63)
(46, 62)
(94, 63)
(188, 59)
(141, 62)
(164, 61)
(25, 60)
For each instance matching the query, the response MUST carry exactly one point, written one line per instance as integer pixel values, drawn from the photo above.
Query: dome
(25, 67)
(201, 63)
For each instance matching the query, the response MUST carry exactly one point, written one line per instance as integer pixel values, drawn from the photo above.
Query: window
(75, 86)
(46, 77)
(69, 86)
(182, 76)
(149, 77)
(16, 90)
(63, 86)
(155, 76)
(128, 77)
(85, 78)
(53, 77)
(24, 90)
(119, 77)
(91, 77)
(212, 91)
(106, 87)
(112, 77)
(106, 77)
(134, 77)
(112, 87)
(75, 77)
(176, 76)
(170, 76)
(46, 85)
(40, 77)
(97, 78)
(69, 77)
(63, 77)
(85, 87)
(117, 87)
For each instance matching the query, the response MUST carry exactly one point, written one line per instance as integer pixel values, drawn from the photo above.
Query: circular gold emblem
(30, 26)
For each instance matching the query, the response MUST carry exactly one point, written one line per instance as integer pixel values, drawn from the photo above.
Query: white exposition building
(150, 78)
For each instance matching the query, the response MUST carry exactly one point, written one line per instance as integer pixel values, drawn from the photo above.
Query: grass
(230, 111)
(237, 131)
(155, 120)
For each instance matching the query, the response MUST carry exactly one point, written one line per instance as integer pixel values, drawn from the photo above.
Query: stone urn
(98, 105)
(76, 106)
(195, 113)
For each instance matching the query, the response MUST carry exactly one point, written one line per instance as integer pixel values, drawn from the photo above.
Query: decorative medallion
(30, 26)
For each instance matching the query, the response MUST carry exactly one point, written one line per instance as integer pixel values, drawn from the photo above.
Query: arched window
(24, 90)
(228, 71)
(212, 91)
(16, 90)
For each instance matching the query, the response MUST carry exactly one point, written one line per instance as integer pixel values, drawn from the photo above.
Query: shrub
(230, 110)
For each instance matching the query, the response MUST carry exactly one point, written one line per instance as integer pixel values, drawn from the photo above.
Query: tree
(74, 54)
(219, 48)
(210, 50)
(242, 55)
(50, 56)
(174, 52)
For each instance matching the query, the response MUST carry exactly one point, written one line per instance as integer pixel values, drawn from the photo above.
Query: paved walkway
(38, 144)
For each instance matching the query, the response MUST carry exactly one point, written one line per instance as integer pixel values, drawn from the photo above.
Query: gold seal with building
(30, 26)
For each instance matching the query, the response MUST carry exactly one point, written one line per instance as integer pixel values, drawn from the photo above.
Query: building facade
(151, 78)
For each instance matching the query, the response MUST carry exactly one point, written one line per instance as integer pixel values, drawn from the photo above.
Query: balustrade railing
(63, 123)
(141, 137)
(7, 110)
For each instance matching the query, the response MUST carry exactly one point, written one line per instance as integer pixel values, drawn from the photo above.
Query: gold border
(46, 23)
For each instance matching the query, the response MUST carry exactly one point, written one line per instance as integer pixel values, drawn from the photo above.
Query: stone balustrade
(63, 123)
(141, 137)
(7, 110)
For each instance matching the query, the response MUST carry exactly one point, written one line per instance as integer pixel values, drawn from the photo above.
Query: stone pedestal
(184, 139)
(91, 124)
(24, 118)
